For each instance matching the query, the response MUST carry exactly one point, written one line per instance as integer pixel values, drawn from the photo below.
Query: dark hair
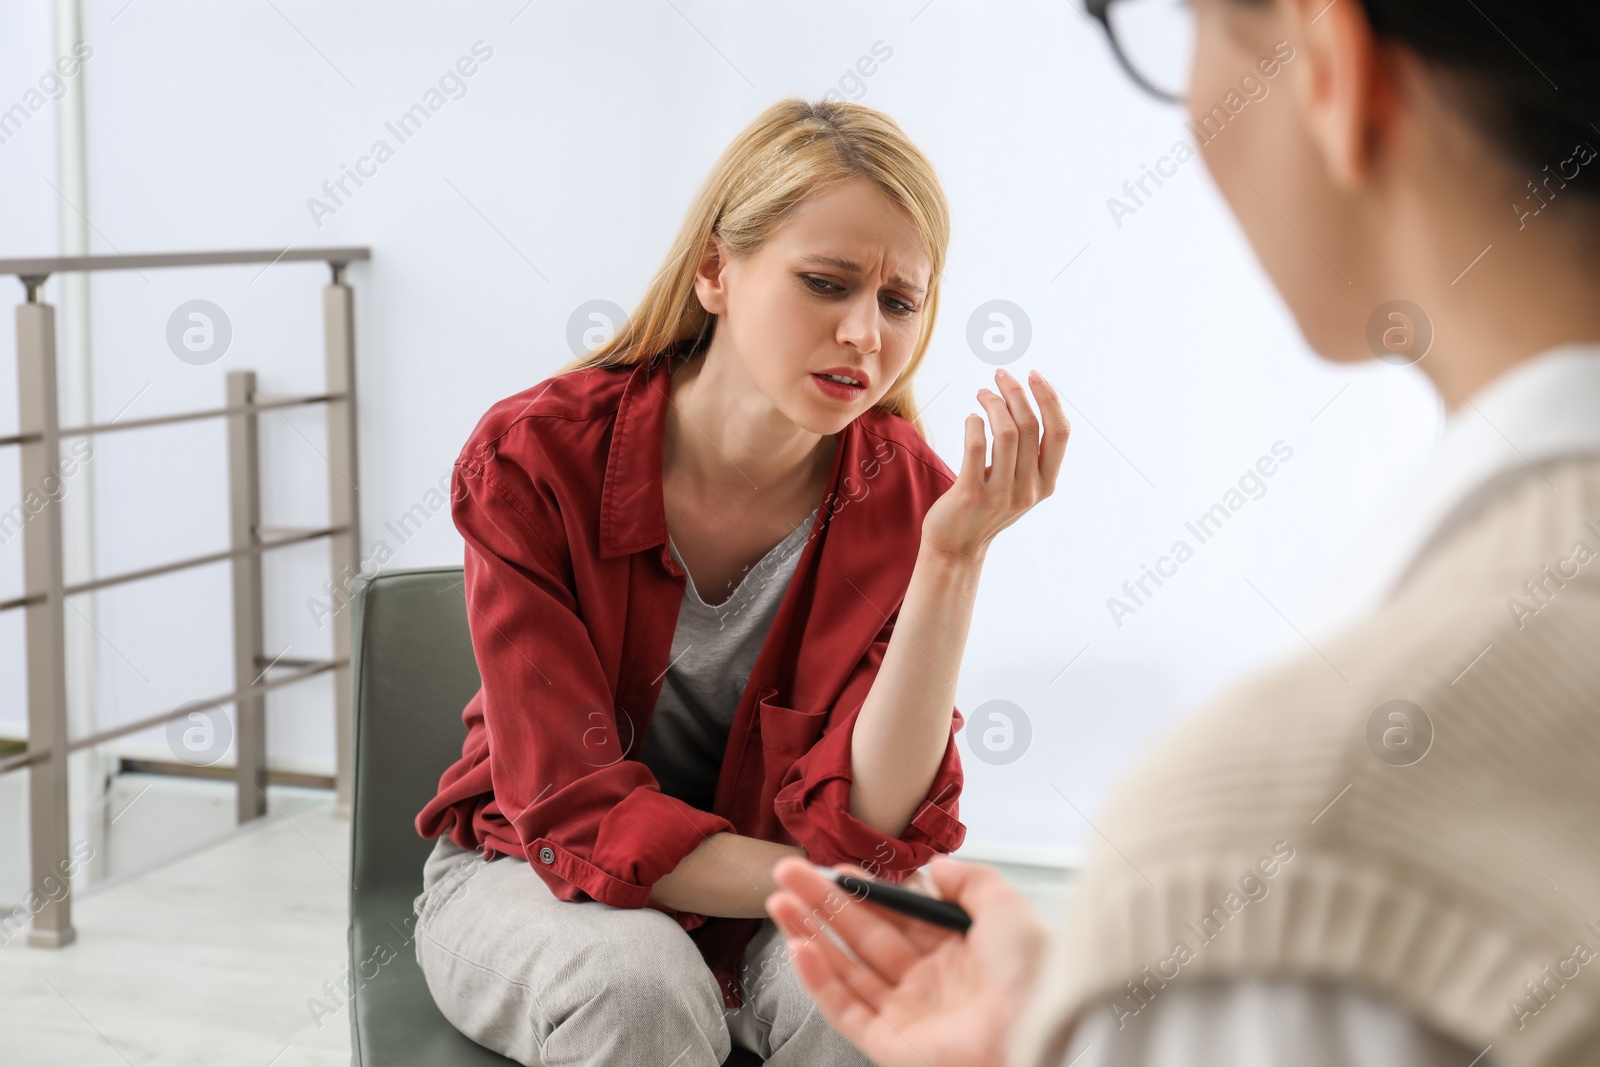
(1524, 71)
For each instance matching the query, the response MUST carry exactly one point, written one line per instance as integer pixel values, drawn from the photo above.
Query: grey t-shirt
(714, 649)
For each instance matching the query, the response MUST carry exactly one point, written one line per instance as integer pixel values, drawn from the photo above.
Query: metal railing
(45, 593)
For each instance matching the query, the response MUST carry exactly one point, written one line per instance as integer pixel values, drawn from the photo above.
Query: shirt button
(547, 855)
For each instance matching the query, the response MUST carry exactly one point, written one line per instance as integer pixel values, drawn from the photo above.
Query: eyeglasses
(1153, 40)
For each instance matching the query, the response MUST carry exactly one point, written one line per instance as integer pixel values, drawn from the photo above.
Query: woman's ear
(710, 278)
(1348, 95)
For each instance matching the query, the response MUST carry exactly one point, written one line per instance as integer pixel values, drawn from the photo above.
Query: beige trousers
(555, 983)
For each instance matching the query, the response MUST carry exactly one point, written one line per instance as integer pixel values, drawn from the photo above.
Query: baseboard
(132, 765)
(1001, 853)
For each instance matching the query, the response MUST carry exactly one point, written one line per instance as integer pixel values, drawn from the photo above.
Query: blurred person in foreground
(1383, 850)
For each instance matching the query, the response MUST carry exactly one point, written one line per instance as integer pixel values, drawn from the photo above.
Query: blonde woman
(719, 586)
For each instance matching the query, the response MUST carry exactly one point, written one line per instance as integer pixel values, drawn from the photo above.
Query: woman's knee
(640, 992)
(582, 976)
(643, 954)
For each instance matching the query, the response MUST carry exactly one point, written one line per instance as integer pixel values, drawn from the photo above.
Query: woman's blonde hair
(791, 151)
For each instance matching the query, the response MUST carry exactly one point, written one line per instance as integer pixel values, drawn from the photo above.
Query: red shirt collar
(632, 513)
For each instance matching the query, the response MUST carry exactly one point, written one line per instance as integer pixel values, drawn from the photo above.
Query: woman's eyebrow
(852, 267)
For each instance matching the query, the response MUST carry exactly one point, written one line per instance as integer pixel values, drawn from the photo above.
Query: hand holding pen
(902, 901)
(911, 992)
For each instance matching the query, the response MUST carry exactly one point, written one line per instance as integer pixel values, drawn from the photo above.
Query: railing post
(45, 623)
(244, 507)
(344, 506)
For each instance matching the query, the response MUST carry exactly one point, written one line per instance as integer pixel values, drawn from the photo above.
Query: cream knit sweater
(1267, 836)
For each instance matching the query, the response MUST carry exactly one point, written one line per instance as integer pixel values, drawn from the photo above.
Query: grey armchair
(413, 671)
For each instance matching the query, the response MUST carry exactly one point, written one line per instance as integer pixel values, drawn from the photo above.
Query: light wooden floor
(212, 960)
(206, 962)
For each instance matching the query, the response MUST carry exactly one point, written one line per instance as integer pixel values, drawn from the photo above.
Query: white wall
(559, 177)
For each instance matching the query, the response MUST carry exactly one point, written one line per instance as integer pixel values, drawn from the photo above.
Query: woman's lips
(837, 390)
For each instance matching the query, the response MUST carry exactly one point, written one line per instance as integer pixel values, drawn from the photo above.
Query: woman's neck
(724, 437)
(1499, 286)
(1524, 298)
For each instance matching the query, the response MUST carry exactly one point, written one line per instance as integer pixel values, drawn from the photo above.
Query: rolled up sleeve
(813, 801)
(588, 819)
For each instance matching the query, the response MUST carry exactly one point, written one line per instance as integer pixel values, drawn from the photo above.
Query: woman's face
(838, 286)
(1260, 110)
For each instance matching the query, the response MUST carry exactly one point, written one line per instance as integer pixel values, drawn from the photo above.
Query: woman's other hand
(1027, 455)
(916, 995)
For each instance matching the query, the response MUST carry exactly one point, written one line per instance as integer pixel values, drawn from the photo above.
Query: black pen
(905, 901)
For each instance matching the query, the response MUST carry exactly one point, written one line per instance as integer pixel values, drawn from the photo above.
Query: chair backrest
(413, 671)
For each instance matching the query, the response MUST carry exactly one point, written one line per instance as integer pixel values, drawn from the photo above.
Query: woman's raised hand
(1027, 455)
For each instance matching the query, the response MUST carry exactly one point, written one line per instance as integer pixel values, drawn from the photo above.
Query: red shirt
(572, 599)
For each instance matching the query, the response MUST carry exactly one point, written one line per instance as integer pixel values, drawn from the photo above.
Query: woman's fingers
(924, 937)
(856, 1014)
(1057, 428)
(972, 456)
(1026, 471)
(886, 940)
(877, 936)
(840, 1002)
(1003, 463)
(1027, 451)
(800, 928)
(877, 942)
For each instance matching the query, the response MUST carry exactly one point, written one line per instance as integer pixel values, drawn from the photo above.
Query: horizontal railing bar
(61, 264)
(220, 773)
(21, 602)
(16, 763)
(322, 667)
(168, 568)
(273, 403)
(290, 399)
(268, 403)
(284, 661)
(198, 561)
(28, 758)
